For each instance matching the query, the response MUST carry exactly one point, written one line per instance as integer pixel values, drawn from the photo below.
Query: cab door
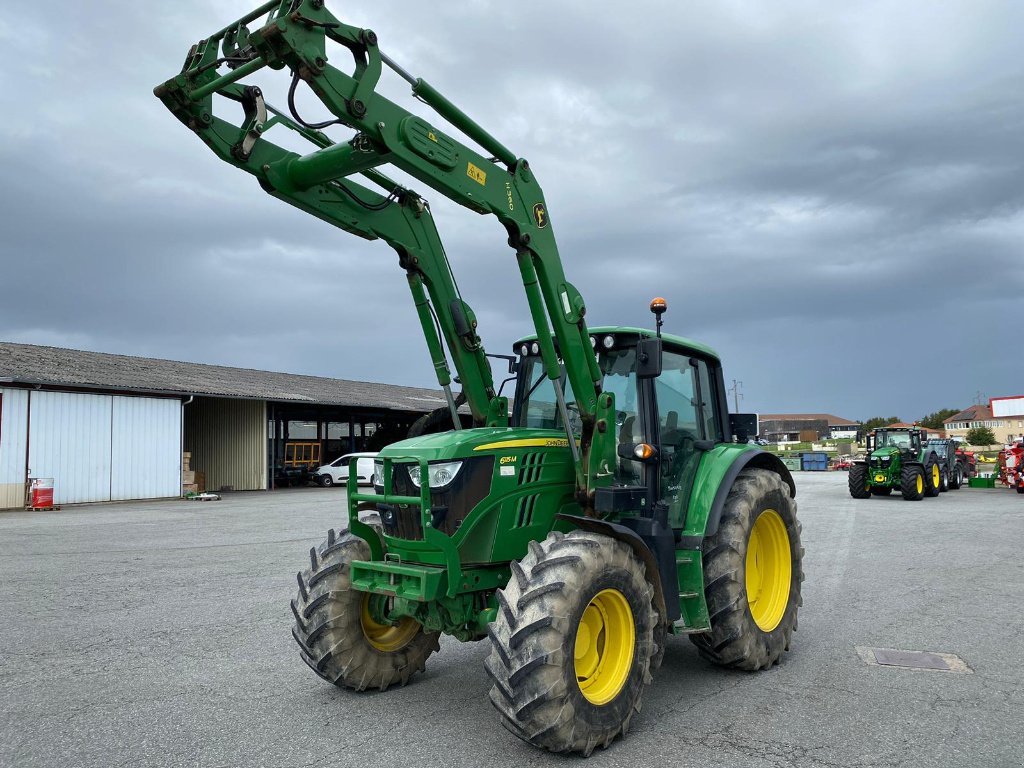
(687, 425)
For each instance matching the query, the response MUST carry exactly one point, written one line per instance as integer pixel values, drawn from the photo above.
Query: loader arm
(293, 36)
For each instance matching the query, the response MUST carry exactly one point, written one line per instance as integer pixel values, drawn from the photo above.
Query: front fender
(716, 474)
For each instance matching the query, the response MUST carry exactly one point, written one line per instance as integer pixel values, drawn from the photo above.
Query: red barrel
(42, 492)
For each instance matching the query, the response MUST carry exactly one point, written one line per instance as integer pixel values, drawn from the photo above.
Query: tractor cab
(662, 423)
(883, 443)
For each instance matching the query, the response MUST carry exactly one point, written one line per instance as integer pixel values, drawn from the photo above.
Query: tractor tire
(756, 549)
(572, 645)
(932, 478)
(957, 478)
(337, 636)
(1020, 487)
(912, 483)
(943, 480)
(880, 490)
(860, 485)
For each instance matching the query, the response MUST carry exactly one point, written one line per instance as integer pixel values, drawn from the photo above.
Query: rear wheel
(880, 490)
(932, 478)
(860, 486)
(336, 629)
(753, 569)
(572, 645)
(912, 484)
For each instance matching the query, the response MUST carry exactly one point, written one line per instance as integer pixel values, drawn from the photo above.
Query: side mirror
(648, 358)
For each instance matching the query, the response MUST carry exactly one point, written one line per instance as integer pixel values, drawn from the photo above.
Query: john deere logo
(540, 215)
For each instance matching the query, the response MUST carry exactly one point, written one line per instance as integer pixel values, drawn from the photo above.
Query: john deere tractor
(897, 458)
(610, 508)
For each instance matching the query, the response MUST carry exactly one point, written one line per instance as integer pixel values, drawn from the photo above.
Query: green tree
(937, 420)
(879, 421)
(981, 436)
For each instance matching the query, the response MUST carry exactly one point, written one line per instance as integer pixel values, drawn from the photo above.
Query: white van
(337, 471)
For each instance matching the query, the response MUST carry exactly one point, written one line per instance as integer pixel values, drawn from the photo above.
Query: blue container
(814, 462)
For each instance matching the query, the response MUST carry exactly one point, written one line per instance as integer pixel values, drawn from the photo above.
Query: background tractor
(611, 509)
(954, 473)
(897, 458)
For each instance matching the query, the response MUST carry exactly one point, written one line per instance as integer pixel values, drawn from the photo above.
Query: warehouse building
(112, 427)
(805, 427)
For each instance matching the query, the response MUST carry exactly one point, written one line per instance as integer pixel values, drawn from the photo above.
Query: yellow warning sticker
(432, 136)
(479, 175)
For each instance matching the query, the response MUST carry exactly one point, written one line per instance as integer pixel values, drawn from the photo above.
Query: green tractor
(610, 508)
(897, 458)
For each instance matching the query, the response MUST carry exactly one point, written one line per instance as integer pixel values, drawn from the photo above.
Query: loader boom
(294, 35)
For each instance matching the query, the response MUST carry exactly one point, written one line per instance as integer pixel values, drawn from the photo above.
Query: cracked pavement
(157, 634)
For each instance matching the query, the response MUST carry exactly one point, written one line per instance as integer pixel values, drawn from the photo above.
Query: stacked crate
(188, 475)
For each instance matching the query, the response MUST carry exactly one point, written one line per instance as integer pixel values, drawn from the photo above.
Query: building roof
(974, 413)
(833, 421)
(54, 366)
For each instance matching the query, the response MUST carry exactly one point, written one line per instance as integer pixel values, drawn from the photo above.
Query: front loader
(610, 509)
(899, 458)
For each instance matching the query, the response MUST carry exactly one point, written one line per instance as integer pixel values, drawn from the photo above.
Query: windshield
(899, 440)
(539, 407)
(940, 448)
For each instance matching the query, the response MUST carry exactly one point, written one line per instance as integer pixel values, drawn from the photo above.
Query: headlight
(441, 474)
(378, 473)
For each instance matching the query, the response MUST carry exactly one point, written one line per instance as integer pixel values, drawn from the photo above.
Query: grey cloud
(812, 188)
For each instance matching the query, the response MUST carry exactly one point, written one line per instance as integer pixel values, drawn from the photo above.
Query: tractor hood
(483, 441)
(885, 453)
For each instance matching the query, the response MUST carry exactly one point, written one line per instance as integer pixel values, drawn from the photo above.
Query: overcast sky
(829, 194)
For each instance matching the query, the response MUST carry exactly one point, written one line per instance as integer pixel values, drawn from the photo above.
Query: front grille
(402, 521)
(448, 508)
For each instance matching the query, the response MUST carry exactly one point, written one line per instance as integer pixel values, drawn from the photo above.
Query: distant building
(1007, 427)
(113, 427)
(795, 427)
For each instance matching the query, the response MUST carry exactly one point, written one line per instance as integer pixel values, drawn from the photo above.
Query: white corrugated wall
(104, 447)
(69, 441)
(13, 422)
(145, 448)
(228, 441)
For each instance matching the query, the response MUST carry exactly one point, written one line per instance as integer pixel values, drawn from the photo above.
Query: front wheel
(341, 633)
(956, 477)
(912, 483)
(932, 479)
(753, 570)
(943, 480)
(326, 481)
(572, 645)
(859, 483)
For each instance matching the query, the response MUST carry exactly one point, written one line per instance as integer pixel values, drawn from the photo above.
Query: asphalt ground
(157, 634)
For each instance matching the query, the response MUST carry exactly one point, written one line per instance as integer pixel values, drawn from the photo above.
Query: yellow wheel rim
(935, 476)
(920, 484)
(387, 638)
(605, 643)
(769, 570)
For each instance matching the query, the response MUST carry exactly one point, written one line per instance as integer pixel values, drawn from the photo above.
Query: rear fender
(718, 471)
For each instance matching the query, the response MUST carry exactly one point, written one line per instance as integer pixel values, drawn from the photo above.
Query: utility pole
(977, 397)
(736, 394)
